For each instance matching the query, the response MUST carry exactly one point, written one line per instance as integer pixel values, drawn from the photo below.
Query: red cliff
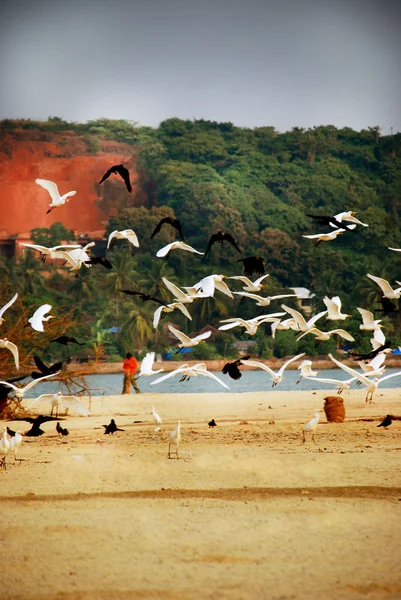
(70, 161)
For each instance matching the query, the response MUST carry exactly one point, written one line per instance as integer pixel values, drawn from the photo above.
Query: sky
(280, 63)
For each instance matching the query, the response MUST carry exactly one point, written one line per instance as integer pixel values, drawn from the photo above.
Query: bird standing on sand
(212, 423)
(118, 170)
(61, 431)
(4, 448)
(311, 426)
(52, 188)
(58, 399)
(111, 428)
(14, 442)
(157, 418)
(386, 422)
(35, 430)
(175, 438)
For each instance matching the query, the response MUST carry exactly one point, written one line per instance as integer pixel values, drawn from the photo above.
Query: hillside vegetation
(257, 184)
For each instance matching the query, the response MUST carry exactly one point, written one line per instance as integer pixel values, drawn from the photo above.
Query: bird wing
(231, 325)
(171, 374)
(183, 309)
(316, 317)
(106, 175)
(207, 284)
(389, 376)
(184, 339)
(378, 339)
(35, 381)
(174, 289)
(382, 283)
(293, 359)
(41, 249)
(259, 365)
(282, 296)
(259, 281)
(40, 365)
(249, 295)
(165, 250)
(367, 316)
(352, 372)
(10, 385)
(147, 363)
(49, 397)
(159, 226)
(315, 236)
(229, 238)
(132, 237)
(14, 350)
(4, 308)
(50, 187)
(157, 315)
(342, 333)
(74, 402)
(213, 238)
(332, 307)
(184, 246)
(295, 315)
(395, 249)
(202, 336)
(113, 236)
(247, 281)
(124, 174)
(207, 373)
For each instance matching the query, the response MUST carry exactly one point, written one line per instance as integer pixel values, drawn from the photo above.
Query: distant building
(304, 299)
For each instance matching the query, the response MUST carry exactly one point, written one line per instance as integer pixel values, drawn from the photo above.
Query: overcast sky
(282, 63)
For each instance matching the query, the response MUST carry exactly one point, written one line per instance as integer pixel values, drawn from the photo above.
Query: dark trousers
(130, 379)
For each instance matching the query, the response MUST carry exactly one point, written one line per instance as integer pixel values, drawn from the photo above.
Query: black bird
(174, 222)
(61, 430)
(221, 237)
(212, 423)
(64, 339)
(388, 307)
(326, 220)
(232, 368)
(145, 297)
(35, 430)
(44, 370)
(99, 260)
(120, 170)
(111, 427)
(253, 264)
(386, 422)
(368, 355)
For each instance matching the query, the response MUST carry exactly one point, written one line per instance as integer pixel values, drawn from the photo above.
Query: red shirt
(130, 365)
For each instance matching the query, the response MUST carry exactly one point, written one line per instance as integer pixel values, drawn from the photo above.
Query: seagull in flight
(264, 301)
(51, 252)
(303, 325)
(5, 343)
(146, 368)
(251, 325)
(52, 188)
(6, 306)
(58, 399)
(38, 317)
(118, 170)
(125, 234)
(306, 370)
(170, 221)
(325, 237)
(276, 376)
(250, 286)
(208, 285)
(167, 309)
(187, 372)
(333, 306)
(368, 321)
(21, 391)
(175, 246)
(324, 336)
(388, 291)
(187, 342)
(349, 216)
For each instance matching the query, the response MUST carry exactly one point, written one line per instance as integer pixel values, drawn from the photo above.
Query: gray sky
(283, 63)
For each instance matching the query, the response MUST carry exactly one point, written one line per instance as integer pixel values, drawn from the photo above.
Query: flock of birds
(75, 256)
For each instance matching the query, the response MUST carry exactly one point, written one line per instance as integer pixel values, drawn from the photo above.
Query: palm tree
(122, 275)
(28, 273)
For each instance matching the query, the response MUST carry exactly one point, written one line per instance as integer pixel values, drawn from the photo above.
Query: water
(251, 381)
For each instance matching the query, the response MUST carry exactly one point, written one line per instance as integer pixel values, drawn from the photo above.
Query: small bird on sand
(311, 426)
(62, 431)
(175, 438)
(111, 427)
(232, 368)
(212, 423)
(118, 170)
(386, 422)
(157, 418)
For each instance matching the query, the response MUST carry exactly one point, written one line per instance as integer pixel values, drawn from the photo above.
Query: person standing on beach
(130, 365)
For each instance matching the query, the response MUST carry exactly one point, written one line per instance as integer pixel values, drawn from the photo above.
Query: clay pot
(334, 409)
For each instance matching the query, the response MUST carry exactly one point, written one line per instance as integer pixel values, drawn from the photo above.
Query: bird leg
(317, 243)
(169, 456)
(303, 439)
(313, 438)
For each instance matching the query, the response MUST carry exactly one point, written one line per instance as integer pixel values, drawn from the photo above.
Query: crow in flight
(111, 427)
(221, 237)
(369, 355)
(388, 306)
(232, 368)
(120, 170)
(64, 339)
(99, 260)
(253, 264)
(145, 297)
(44, 370)
(326, 220)
(174, 222)
(35, 430)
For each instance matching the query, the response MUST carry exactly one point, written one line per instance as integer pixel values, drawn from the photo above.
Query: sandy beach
(247, 512)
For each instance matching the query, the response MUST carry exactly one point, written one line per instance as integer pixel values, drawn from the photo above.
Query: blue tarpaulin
(169, 355)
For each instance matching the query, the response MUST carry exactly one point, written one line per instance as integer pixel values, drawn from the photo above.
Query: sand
(247, 512)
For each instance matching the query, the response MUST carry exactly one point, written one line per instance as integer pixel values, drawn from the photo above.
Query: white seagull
(51, 252)
(126, 234)
(4, 308)
(388, 291)
(21, 391)
(187, 342)
(368, 321)
(157, 418)
(4, 448)
(175, 438)
(58, 399)
(324, 336)
(312, 426)
(38, 317)
(208, 285)
(146, 368)
(175, 246)
(378, 340)
(375, 367)
(341, 384)
(52, 188)
(276, 376)
(349, 216)
(284, 326)
(15, 443)
(187, 372)
(306, 370)
(371, 384)
(179, 295)
(325, 237)
(169, 308)
(251, 325)
(264, 301)
(303, 325)
(5, 343)
(250, 286)
(394, 249)
(333, 306)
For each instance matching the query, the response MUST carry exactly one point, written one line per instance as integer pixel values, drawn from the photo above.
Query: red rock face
(64, 159)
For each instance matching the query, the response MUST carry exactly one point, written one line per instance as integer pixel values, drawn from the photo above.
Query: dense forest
(259, 185)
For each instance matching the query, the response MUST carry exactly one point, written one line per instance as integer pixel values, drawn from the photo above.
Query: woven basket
(334, 409)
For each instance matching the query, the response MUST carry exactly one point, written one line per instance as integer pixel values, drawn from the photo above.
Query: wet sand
(246, 511)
